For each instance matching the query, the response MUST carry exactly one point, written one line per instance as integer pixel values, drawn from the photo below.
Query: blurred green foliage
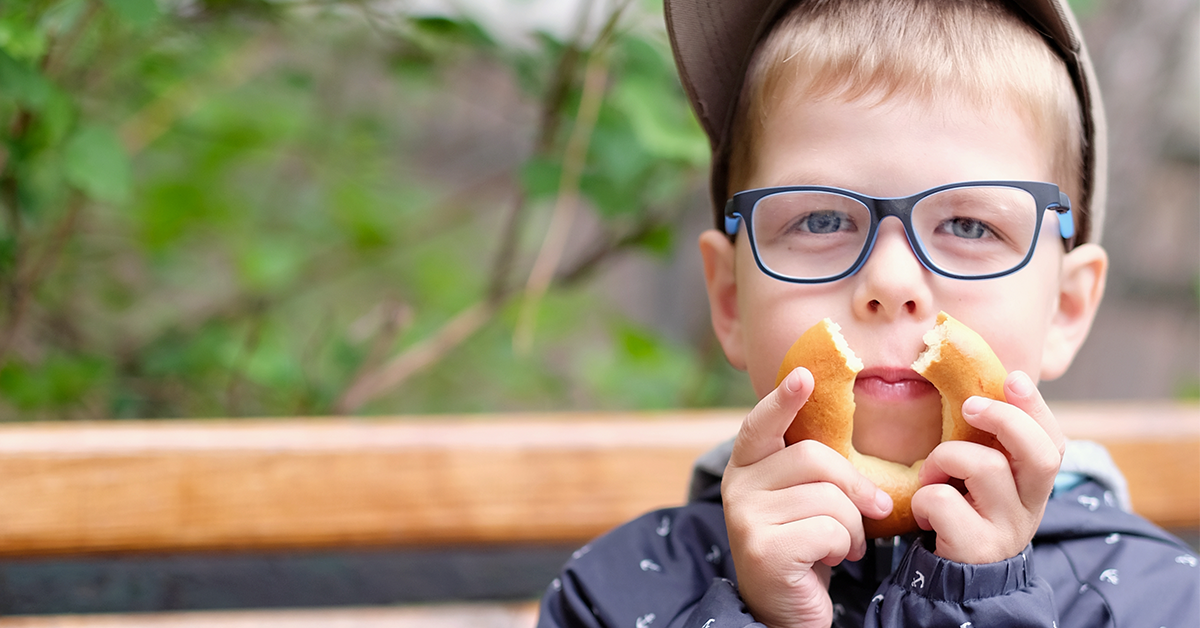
(248, 208)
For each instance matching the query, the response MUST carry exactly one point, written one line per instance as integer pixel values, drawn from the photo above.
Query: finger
(818, 499)
(1020, 391)
(941, 508)
(991, 488)
(812, 461)
(936, 505)
(1033, 453)
(816, 540)
(762, 430)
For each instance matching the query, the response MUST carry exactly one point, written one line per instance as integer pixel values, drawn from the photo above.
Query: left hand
(1006, 490)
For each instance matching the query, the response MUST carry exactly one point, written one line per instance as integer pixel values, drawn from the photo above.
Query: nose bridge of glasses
(898, 208)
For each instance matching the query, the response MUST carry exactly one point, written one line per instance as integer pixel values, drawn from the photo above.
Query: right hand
(792, 512)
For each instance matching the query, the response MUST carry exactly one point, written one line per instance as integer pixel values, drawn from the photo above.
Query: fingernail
(883, 501)
(1021, 385)
(976, 405)
(792, 381)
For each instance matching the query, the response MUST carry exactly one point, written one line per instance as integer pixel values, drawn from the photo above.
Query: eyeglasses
(969, 230)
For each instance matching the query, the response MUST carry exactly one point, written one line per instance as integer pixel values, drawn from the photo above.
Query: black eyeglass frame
(741, 207)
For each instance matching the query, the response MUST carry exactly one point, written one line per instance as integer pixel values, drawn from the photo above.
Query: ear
(1081, 287)
(720, 278)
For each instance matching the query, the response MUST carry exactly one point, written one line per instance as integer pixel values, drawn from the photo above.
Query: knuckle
(938, 496)
(807, 448)
(863, 493)
(730, 492)
(759, 548)
(992, 462)
(828, 528)
(741, 528)
(1046, 463)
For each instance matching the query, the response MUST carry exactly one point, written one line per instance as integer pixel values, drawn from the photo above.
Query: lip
(892, 384)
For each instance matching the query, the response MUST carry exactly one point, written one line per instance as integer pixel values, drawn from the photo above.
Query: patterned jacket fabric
(1091, 564)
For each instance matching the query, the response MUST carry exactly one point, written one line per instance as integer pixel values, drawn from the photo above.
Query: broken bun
(956, 361)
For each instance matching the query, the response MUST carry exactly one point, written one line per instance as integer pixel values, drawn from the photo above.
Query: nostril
(911, 306)
(874, 305)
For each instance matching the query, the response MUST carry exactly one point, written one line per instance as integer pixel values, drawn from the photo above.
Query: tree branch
(374, 383)
(547, 136)
(567, 202)
(15, 290)
(371, 385)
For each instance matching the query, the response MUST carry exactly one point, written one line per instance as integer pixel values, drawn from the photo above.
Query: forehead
(977, 55)
(894, 147)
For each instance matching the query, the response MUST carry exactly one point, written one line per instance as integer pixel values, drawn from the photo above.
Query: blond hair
(975, 50)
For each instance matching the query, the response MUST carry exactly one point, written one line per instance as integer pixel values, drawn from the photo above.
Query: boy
(821, 114)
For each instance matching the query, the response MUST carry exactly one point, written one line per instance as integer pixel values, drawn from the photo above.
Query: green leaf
(1084, 8)
(459, 30)
(22, 83)
(139, 13)
(57, 115)
(540, 177)
(659, 241)
(95, 162)
(21, 40)
(269, 264)
(8, 253)
(57, 382)
(660, 121)
(361, 217)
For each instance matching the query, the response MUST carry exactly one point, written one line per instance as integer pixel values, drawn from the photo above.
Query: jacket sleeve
(667, 569)
(927, 590)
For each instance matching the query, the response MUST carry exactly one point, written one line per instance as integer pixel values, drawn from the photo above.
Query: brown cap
(713, 41)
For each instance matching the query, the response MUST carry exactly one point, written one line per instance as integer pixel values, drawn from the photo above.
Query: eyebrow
(807, 177)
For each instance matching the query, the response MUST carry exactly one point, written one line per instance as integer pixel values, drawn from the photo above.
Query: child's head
(733, 56)
(970, 54)
(890, 99)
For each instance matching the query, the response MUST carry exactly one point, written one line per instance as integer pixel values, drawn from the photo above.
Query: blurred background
(311, 207)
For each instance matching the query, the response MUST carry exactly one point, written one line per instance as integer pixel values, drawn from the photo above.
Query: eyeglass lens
(969, 231)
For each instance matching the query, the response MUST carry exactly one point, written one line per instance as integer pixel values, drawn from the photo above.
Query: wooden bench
(206, 485)
(440, 616)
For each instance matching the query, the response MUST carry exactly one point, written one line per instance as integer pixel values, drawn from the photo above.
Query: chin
(899, 434)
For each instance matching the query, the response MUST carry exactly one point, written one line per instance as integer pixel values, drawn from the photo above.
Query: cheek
(1020, 349)
(773, 315)
(764, 326)
(1015, 319)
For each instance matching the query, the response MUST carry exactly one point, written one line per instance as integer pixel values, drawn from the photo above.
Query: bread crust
(824, 416)
(956, 360)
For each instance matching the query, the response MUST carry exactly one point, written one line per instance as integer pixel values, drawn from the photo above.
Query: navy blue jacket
(1091, 564)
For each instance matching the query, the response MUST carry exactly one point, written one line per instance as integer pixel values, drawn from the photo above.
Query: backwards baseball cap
(714, 40)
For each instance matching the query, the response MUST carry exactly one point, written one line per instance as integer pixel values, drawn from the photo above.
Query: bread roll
(956, 360)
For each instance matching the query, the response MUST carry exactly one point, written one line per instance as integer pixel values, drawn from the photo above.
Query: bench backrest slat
(295, 483)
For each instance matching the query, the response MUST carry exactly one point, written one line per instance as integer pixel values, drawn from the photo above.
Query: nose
(893, 282)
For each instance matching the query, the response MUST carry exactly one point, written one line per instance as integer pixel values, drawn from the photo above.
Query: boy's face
(1034, 319)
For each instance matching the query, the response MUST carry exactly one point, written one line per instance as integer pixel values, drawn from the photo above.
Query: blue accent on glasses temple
(1066, 224)
(1066, 220)
(731, 224)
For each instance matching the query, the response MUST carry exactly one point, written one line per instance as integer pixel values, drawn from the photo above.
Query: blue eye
(825, 222)
(968, 228)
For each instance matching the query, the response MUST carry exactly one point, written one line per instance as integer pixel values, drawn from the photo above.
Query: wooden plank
(1156, 446)
(265, 484)
(187, 485)
(443, 616)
